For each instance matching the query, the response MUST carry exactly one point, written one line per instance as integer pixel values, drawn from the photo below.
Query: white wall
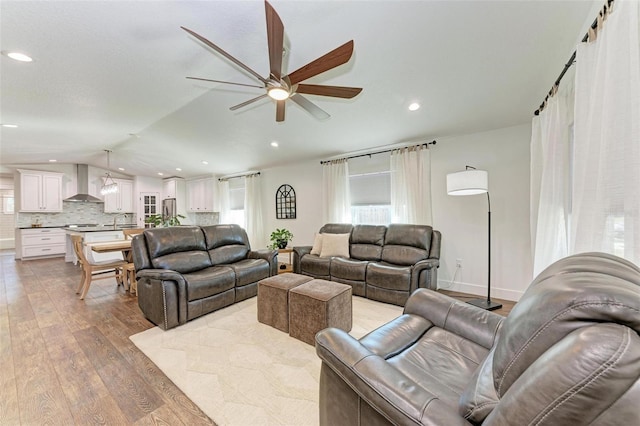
(504, 153)
(306, 180)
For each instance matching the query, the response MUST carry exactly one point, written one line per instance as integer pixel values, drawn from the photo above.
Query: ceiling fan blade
(275, 37)
(226, 55)
(312, 108)
(334, 91)
(245, 103)
(336, 57)
(280, 110)
(225, 82)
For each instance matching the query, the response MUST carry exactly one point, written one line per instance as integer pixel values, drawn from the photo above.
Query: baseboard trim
(480, 290)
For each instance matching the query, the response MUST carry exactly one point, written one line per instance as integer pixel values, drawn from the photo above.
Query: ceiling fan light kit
(278, 93)
(281, 87)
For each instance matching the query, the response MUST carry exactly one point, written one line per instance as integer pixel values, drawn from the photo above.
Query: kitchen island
(94, 234)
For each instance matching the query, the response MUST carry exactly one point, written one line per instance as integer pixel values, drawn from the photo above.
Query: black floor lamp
(473, 182)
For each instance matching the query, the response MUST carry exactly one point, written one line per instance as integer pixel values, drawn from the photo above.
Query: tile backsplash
(77, 213)
(73, 213)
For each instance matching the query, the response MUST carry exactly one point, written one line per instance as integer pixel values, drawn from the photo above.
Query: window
(370, 188)
(236, 201)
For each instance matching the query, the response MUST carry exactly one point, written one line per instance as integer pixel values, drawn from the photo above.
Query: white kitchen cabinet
(122, 200)
(172, 188)
(40, 191)
(200, 195)
(39, 242)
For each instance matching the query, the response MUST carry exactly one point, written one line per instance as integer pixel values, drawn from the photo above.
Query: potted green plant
(280, 238)
(158, 221)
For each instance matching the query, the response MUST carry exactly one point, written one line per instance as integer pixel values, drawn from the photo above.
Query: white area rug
(242, 372)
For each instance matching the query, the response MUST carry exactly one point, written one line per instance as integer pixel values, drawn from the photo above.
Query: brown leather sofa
(385, 263)
(184, 272)
(567, 354)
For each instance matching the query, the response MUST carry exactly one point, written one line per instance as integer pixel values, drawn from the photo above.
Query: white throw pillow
(317, 244)
(335, 245)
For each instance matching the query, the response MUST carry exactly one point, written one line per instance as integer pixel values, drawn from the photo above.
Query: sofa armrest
(468, 321)
(162, 296)
(424, 274)
(389, 391)
(270, 256)
(298, 252)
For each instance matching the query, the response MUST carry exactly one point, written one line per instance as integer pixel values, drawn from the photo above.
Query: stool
(316, 305)
(273, 299)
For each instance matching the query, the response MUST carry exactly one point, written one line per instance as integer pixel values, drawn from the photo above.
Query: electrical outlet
(458, 263)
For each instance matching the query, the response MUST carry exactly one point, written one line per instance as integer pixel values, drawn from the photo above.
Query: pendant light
(108, 186)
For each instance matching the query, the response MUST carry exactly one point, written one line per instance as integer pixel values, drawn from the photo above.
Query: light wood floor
(67, 361)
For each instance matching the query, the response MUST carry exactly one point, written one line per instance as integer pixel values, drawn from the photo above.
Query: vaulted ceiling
(112, 75)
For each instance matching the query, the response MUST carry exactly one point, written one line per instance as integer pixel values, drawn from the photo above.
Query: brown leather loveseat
(383, 263)
(567, 354)
(184, 272)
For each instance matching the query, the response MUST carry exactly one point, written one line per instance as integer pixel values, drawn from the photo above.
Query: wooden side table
(288, 267)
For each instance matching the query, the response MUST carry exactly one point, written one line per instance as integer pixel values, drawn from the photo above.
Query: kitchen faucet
(115, 218)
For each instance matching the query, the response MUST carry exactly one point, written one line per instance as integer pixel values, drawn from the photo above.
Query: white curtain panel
(253, 211)
(224, 203)
(335, 192)
(550, 166)
(606, 184)
(411, 185)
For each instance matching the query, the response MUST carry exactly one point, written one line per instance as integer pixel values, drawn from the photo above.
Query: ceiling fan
(281, 87)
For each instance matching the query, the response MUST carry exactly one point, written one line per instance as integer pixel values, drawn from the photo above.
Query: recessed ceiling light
(121, 169)
(160, 173)
(52, 161)
(178, 169)
(11, 126)
(274, 144)
(414, 106)
(205, 162)
(19, 56)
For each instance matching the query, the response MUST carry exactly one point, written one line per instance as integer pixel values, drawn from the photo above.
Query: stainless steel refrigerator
(168, 209)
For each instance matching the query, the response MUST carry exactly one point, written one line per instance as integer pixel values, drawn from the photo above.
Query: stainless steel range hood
(83, 187)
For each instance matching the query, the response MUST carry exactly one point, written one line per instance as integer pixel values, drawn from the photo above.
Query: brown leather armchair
(568, 353)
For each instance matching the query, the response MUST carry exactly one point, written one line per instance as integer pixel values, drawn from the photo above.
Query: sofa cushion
(441, 362)
(406, 244)
(228, 254)
(349, 269)
(391, 277)
(208, 282)
(335, 245)
(226, 243)
(315, 266)
(173, 239)
(367, 241)
(183, 262)
(249, 271)
(336, 228)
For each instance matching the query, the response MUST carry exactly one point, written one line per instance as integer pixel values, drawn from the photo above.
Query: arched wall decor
(285, 202)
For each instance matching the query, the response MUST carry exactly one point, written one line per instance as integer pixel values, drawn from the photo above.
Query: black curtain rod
(378, 152)
(572, 60)
(239, 176)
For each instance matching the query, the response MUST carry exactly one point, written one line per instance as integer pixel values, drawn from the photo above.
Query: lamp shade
(468, 182)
